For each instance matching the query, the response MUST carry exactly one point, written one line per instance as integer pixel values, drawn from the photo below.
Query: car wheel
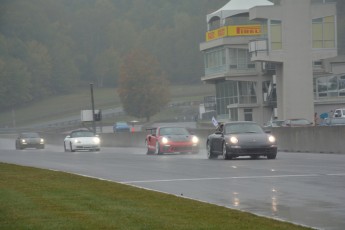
(210, 154)
(64, 147)
(70, 145)
(17, 146)
(272, 156)
(226, 155)
(148, 149)
(158, 149)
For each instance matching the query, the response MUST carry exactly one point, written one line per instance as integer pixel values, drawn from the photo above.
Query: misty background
(52, 47)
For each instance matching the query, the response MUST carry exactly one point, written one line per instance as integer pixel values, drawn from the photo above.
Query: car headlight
(233, 140)
(42, 141)
(195, 139)
(164, 140)
(23, 141)
(96, 140)
(76, 141)
(271, 139)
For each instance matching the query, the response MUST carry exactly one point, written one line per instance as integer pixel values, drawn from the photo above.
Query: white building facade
(273, 61)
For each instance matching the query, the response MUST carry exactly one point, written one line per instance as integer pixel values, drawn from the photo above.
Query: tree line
(50, 47)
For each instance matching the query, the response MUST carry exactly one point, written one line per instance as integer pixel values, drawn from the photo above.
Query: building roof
(234, 7)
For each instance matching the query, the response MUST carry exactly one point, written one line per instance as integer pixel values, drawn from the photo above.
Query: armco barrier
(320, 139)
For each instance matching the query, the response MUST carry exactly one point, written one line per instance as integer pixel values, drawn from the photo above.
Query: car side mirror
(268, 131)
(68, 136)
(218, 132)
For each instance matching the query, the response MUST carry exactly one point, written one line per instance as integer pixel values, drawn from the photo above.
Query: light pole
(93, 109)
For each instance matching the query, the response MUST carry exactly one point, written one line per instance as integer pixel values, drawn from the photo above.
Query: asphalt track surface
(303, 188)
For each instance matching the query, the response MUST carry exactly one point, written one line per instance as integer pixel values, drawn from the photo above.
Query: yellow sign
(218, 33)
(243, 30)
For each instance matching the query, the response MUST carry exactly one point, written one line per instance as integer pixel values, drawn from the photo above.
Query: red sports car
(171, 140)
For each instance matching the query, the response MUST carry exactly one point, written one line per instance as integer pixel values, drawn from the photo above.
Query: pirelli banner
(228, 31)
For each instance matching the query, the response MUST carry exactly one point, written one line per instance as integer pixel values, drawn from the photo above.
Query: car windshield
(339, 113)
(82, 134)
(173, 131)
(243, 128)
(30, 135)
(121, 124)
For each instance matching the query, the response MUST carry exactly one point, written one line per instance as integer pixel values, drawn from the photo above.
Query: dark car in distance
(29, 140)
(241, 138)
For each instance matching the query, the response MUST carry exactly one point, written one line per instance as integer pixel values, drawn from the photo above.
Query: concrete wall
(320, 139)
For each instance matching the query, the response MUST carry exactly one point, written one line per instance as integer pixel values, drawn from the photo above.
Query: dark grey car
(241, 139)
(29, 140)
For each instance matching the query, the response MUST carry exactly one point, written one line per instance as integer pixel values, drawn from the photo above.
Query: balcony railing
(215, 70)
(231, 70)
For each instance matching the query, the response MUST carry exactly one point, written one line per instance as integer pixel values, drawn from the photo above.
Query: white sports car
(82, 140)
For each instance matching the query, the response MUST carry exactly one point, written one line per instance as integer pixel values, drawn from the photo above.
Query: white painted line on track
(230, 178)
(336, 174)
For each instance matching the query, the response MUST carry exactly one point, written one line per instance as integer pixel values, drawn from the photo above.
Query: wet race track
(303, 188)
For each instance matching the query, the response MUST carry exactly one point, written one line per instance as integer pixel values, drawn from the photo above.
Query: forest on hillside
(50, 47)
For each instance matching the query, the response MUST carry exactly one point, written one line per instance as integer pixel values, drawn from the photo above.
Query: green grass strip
(32, 198)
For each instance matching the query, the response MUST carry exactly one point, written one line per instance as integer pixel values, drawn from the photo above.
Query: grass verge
(33, 198)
